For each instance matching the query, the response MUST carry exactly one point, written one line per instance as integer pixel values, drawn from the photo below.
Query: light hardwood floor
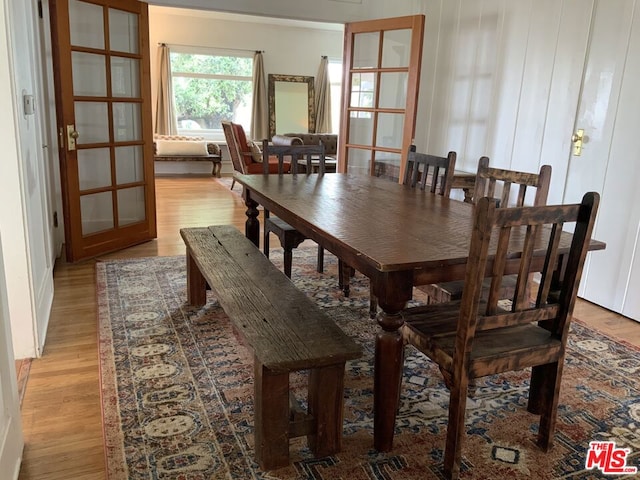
(61, 407)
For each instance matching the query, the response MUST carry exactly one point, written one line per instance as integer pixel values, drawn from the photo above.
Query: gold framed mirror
(291, 104)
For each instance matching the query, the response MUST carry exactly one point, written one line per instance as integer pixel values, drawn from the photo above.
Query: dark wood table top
(372, 223)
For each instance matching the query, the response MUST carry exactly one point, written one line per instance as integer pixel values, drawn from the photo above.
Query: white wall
(24, 201)
(502, 79)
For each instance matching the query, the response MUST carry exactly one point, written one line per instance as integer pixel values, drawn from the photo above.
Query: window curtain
(166, 123)
(259, 112)
(323, 97)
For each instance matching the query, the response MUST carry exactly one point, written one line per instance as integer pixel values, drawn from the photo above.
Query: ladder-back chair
(511, 187)
(475, 337)
(311, 157)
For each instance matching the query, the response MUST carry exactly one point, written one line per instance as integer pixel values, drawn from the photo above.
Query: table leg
(252, 225)
(393, 291)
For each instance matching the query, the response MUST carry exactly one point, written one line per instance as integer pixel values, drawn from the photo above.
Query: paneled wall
(502, 78)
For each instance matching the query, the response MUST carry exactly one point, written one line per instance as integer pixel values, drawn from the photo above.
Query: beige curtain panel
(323, 98)
(260, 109)
(166, 123)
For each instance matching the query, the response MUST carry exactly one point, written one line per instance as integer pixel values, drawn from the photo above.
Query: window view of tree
(210, 88)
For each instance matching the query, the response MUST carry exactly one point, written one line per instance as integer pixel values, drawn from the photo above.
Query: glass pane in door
(131, 203)
(387, 165)
(396, 47)
(89, 74)
(390, 130)
(92, 122)
(365, 50)
(86, 27)
(123, 31)
(363, 90)
(94, 168)
(361, 128)
(359, 161)
(127, 123)
(393, 90)
(96, 212)
(125, 77)
(129, 164)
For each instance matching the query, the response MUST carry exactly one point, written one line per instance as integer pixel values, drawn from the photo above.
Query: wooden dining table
(397, 236)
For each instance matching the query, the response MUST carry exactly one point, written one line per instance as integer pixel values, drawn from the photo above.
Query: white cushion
(255, 150)
(190, 148)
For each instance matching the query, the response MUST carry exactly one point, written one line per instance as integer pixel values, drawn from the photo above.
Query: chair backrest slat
(234, 149)
(534, 232)
(312, 155)
(437, 172)
(489, 179)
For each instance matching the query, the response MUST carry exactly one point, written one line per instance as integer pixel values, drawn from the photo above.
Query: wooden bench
(286, 331)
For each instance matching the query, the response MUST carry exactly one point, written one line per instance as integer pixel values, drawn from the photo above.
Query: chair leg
(265, 243)
(233, 182)
(320, 266)
(455, 427)
(345, 277)
(548, 397)
(288, 261)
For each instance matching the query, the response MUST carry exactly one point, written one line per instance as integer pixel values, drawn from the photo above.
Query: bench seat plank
(286, 330)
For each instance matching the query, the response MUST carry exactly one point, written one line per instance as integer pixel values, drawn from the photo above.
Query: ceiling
(236, 17)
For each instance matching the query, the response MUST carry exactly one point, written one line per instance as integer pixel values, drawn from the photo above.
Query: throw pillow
(256, 153)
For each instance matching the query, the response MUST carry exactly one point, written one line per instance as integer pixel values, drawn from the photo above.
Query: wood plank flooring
(61, 407)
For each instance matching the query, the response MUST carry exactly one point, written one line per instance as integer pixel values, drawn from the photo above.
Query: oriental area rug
(177, 392)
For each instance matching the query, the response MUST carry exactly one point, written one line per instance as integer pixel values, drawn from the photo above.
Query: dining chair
(245, 161)
(475, 336)
(312, 157)
(423, 170)
(511, 187)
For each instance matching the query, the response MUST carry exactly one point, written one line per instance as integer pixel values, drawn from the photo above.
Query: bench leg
(326, 387)
(271, 406)
(196, 284)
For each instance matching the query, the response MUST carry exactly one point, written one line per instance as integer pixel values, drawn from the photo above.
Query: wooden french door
(101, 64)
(381, 75)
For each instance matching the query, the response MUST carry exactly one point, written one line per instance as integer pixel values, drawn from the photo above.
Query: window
(209, 88)
(362, 91)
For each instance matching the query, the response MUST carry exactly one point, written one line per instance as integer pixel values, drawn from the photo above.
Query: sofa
(330, 141)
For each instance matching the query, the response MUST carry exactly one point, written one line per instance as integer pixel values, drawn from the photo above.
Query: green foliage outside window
(209, 88)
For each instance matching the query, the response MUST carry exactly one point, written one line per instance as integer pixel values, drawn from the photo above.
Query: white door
(11, 440)
(610, 158)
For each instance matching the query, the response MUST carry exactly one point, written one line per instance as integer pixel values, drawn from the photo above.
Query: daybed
(181, 148)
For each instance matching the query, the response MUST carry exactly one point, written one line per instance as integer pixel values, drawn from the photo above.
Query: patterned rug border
(114, 445)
